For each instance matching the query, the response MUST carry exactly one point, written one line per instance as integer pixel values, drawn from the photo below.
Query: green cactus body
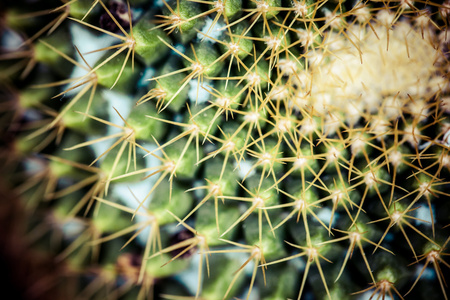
(271, 149)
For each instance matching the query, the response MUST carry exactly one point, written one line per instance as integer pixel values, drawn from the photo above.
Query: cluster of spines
(263, 114)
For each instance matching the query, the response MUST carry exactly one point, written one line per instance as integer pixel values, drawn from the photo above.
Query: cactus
(226, 149)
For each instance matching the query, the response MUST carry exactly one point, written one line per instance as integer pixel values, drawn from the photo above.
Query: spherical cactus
(226, 149)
